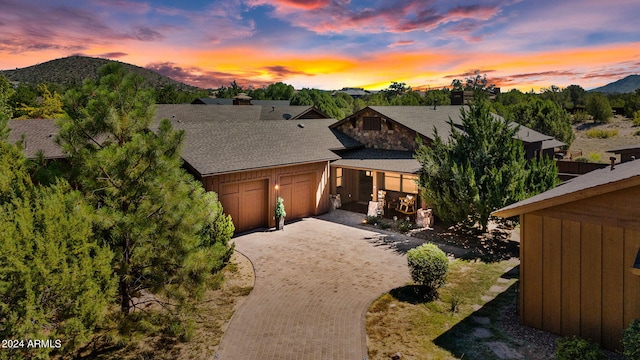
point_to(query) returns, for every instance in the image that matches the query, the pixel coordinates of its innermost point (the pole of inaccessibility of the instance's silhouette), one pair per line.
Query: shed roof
(39, 136)
(594, 183)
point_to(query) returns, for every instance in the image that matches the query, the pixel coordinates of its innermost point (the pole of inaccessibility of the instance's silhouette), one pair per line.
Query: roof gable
(426, 120)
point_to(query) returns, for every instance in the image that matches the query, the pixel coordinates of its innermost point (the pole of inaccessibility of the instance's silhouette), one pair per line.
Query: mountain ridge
(627, 84)
(76, 68)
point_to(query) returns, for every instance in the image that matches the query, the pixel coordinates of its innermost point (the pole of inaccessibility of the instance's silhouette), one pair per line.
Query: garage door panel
(246, 203)
(297, 192)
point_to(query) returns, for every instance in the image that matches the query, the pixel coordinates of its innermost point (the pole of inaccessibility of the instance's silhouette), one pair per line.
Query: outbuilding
(580, 255)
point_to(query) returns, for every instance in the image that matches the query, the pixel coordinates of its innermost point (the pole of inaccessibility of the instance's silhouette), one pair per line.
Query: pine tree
(55, 280)
(474, 171)
(161, 224)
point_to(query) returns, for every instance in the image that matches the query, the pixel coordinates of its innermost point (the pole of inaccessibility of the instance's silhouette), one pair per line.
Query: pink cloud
(213, 79)
(401, 43)
(338, 16)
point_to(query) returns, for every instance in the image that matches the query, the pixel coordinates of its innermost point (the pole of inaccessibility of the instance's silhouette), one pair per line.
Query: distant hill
(75, 69)
(626, 85)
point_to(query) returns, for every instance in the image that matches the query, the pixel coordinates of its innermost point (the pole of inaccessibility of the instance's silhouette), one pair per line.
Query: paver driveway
(314, 282)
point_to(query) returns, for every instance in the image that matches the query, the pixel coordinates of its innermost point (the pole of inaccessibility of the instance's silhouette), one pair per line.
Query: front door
(365, 186)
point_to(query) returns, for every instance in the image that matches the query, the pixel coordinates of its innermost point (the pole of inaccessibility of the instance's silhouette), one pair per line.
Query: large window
(392, 182)
(401, 183)
(410, 184)
(371, 123)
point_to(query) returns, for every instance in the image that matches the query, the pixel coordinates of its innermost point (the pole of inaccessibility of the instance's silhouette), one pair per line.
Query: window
(410, 184)
(371, 123)
(339, 177)
(401, 183)
(392, 181)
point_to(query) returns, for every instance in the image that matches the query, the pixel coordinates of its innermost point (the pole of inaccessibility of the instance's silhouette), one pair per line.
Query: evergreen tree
(55, 280)
(474, 171)
(598, 106)
(336, 108)
(6, 111)
(544, 116)
(168, 234)
(49, 108)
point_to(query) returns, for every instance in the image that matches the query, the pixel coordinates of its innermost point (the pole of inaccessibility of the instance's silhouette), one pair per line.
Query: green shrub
(580, 117)
(572, 348)
(636, 118)
(631, 341)
(601, 133)
(637, 133)
(429, 266)
(594, 157)
(372, 220)
(404, 226)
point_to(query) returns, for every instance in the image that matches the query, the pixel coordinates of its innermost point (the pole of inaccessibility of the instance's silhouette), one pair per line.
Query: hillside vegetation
(75, 69)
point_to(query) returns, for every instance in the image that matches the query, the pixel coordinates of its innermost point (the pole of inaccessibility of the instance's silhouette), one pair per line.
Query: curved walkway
(314, 283)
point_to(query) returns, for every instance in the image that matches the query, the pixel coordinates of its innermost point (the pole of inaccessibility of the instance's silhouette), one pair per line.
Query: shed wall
(575, 275)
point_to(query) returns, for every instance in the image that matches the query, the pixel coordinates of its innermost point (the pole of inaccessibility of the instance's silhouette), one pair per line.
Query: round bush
(631, 341)
(571, 348)
(429, 266)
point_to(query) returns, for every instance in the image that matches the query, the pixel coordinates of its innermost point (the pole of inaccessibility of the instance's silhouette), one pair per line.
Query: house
(38, 137)
(246, 100)
(385, 164)
(580, 254)
(250, 155)
(627, 153)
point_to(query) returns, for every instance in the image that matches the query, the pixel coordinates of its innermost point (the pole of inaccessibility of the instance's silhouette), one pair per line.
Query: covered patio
(372, 175)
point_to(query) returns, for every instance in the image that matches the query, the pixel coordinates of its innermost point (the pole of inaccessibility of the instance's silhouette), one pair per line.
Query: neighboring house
(386, 163)
(628, 153)
(222, 101)
(38, 136)
(355, 93)
(580, 255)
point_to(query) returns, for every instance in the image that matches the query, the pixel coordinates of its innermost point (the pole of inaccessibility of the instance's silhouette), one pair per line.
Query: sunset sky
(330, 44)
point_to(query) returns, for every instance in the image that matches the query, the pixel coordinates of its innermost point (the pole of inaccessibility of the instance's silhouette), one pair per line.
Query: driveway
(314, 283)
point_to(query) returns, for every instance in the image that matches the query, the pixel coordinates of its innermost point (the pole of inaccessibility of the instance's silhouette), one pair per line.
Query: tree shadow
(414, 294)
(462, 341)
(493, 246)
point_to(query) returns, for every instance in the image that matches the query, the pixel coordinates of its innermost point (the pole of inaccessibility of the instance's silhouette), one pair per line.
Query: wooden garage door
(298, 194)
(246, 202)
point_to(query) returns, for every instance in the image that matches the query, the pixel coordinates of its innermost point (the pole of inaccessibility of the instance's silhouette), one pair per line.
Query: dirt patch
(210, 321)
(499, 243)
(584, 146)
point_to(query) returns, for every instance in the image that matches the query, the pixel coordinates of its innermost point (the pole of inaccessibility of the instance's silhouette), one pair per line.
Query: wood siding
(575, 267)
(305, 189)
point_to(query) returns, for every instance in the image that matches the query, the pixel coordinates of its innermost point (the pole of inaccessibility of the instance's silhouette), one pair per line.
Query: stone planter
(279, 223)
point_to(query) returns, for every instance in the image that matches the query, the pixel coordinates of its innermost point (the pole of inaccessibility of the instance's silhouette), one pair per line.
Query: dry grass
(206, 326)
(401, 321)
(627, 135)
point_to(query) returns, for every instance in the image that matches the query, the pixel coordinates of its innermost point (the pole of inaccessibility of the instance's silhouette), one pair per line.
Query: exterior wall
(575, 267)
(391, 136)
(273, 176)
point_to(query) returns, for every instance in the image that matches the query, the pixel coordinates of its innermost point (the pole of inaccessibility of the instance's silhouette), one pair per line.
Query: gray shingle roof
(423, 119)
(596, 181)
(39, 135)
(223, 101)
(630, 147)
(376, 159)
(226, 139)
